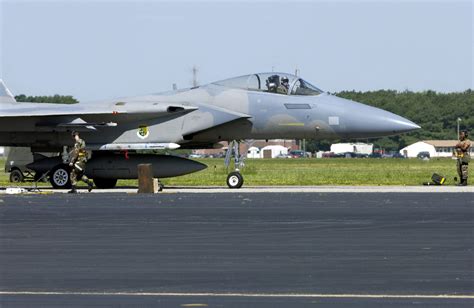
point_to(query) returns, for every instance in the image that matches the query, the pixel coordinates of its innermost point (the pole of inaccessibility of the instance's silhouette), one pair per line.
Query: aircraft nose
(367, 121)
(397, 124)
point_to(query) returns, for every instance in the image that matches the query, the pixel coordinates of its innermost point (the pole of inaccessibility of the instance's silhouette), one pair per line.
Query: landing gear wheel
(105, 183)
(235, 180)
(59, 177)
(16, 176)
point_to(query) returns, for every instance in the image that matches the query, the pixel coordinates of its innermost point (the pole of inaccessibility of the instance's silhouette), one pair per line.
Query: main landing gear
(234, 179)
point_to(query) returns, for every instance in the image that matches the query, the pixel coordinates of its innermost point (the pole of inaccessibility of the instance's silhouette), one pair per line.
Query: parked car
(423, 155)
(398, 155)
(196, 156)
(375, 155)
(283, 156)
(299, 154)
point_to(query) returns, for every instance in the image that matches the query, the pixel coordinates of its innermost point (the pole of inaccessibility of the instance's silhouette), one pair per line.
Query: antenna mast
(195, 71)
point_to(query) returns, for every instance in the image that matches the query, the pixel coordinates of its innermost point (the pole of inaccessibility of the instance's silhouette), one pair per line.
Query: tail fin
(5, 95)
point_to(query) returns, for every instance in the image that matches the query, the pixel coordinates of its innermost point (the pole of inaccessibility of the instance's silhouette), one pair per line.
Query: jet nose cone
(366, 121)
(379, 122)
(401, 125)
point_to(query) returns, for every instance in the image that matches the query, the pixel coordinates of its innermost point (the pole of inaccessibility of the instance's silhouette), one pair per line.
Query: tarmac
(238, 248)
(266, 189)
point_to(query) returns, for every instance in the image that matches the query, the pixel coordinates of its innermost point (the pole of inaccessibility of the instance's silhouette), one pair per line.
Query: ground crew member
(77, 160)
(462, 153)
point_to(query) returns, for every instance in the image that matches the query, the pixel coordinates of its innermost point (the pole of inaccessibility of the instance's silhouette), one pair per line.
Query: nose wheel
(235, 180)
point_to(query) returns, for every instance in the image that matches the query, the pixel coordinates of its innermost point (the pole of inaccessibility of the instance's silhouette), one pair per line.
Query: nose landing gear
(234, 179)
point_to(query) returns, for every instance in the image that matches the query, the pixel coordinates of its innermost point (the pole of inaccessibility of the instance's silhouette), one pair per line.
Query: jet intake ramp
(207, 117)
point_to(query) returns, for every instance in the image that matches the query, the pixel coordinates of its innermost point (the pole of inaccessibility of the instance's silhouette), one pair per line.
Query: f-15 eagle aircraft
(256, 106)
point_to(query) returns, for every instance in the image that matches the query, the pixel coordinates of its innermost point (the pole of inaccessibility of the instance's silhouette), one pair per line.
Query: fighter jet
(255, 106)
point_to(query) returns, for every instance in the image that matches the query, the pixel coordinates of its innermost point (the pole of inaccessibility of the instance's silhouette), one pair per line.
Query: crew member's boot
(462, 183)
(73, 190)
(90, 185)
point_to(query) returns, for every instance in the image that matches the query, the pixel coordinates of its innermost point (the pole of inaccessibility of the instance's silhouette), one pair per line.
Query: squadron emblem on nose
(143, 132)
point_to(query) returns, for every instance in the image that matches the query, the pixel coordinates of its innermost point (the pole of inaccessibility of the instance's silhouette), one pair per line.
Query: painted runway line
(250, 295)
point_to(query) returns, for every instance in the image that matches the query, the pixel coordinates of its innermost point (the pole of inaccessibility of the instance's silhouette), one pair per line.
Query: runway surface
(271, 189)
(237, 250)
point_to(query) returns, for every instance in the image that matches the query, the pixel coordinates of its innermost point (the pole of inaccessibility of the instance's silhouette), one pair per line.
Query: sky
(104, 49)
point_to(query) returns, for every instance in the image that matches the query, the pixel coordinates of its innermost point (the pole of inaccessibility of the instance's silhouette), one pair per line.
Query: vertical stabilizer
(5, 95)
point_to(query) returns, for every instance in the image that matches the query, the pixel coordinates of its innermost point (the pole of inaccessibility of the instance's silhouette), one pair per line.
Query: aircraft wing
(54, 116)
(112, 113)
(84, 115)
(22, 110)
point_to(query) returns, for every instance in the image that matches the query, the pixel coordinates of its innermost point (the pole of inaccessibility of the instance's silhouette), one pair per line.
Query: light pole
(458, 120)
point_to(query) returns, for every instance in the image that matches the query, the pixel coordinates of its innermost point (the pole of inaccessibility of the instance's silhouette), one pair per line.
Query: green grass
(324, 172)
(334, 171)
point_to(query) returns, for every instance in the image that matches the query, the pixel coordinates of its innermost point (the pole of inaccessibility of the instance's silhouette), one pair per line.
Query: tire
(60, 177)
(235, 180)
(105, 183)
(16, 176)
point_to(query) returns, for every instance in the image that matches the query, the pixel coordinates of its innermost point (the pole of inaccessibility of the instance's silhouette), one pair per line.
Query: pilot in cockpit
(284, 85)
(278, 85)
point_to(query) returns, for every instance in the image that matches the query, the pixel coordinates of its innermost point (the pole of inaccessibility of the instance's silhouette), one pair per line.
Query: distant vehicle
(398, 155)
(375, 155)
(16, 164)
(196, 156)
(298, 154)
(339, 155)
(284, 156)
(423, 154)
(350, 155)
(327, 155)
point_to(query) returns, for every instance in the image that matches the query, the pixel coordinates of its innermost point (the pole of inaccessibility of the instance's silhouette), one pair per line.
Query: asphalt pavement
(237, 250)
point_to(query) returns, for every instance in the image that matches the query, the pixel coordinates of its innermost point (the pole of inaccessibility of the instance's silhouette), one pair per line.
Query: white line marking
(295, 295)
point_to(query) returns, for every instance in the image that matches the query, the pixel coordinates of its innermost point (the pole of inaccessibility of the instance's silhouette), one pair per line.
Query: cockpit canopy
(279, 83)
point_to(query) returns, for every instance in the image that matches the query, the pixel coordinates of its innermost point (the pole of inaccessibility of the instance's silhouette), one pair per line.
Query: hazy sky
(103, 49)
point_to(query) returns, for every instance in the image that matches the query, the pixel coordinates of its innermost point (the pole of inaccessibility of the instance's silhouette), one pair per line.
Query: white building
(436, 148)
(360, 148)
(272, 151)
(253, 152)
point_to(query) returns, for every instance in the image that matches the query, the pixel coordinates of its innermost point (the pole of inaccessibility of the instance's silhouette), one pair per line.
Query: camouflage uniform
(282, 89)
(462, 153)
(78, 159)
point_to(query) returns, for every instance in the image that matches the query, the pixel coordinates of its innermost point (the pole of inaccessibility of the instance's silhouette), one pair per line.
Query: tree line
(436, 113)
(54, 99)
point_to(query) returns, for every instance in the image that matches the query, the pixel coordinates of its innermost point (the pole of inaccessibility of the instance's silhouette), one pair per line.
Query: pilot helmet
(284, 79)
